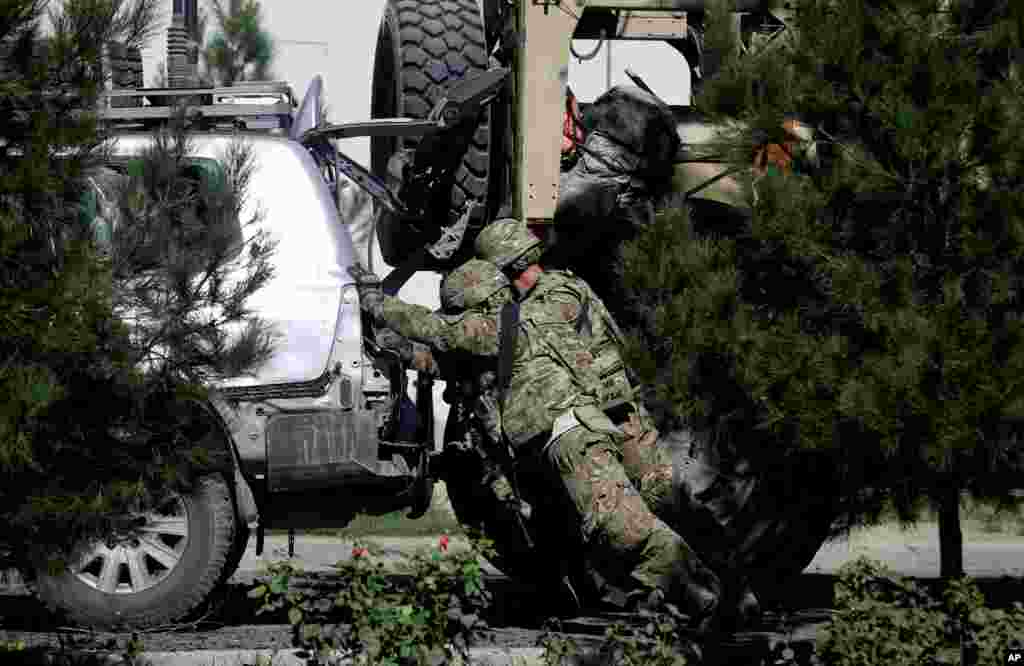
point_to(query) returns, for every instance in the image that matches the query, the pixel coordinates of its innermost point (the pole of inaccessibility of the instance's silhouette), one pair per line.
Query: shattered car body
(313, 434)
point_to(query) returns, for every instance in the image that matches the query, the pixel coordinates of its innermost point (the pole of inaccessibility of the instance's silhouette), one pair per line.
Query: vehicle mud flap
(423, 486)
(423, 491)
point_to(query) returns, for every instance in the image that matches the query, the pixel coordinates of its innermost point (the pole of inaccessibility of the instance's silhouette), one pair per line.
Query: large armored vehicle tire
(424, 46)
(158, 578)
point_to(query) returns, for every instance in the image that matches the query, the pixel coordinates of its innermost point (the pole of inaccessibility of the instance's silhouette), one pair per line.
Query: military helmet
(504, 241)
(471, 284)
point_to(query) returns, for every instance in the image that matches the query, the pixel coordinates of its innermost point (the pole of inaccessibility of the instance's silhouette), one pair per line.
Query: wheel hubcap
(129, 564)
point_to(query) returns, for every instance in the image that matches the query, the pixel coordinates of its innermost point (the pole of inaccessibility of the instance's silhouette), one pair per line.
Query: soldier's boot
(671, 567)
(620, 528)
(671, 482)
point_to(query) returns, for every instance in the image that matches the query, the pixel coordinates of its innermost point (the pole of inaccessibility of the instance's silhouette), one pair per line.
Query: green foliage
(104, 351)
(422, 615)
(241, 49)
(656, 643)
(868, 312)
(883, 619)
(178, 258)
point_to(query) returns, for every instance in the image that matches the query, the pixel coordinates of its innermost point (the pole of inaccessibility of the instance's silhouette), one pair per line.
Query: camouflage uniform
(650, 467)
(510, 246)
(551, 409)
(476, 460)
(583, 448)
(474, 415)
(680, 497)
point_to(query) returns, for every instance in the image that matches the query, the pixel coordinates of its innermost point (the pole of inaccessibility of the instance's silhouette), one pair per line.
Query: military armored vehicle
(512, 164)
(319, 434)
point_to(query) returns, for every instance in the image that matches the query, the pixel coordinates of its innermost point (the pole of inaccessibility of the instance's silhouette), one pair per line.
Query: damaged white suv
(314, 433)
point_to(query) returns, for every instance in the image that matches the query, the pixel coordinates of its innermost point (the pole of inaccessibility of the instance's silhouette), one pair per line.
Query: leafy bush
(886, 619)
(657, 643)
(423, 615)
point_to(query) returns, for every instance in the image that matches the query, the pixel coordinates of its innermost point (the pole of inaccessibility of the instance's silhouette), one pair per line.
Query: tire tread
(439, 40)
(219, 496)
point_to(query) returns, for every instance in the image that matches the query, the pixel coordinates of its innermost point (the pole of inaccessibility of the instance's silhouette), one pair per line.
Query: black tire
(422, 47)
(210, 529)
(237, 552)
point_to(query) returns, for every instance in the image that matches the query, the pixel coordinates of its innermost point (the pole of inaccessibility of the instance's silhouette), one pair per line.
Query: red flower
(444, 542)
(360, 552)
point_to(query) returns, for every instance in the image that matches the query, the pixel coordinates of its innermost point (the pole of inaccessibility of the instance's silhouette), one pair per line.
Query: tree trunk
(951, 538)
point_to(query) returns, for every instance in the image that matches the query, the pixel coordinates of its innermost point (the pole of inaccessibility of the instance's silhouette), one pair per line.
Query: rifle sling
(507, 348)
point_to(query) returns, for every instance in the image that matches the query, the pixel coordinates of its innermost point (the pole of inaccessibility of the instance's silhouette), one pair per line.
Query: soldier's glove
(371, 293)
(389, 339)
(423, 359)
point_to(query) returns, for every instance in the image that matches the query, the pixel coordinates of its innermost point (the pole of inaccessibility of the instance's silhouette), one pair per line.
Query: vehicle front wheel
(159, 575)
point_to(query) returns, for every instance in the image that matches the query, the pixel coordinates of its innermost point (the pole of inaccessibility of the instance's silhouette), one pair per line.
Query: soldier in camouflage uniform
(550, 417)
(475, 459)
(473, 421)
(672, 495)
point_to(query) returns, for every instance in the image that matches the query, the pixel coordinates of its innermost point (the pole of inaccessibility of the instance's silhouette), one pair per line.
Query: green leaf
(257, 592)
(278, 584)
(41, 392)
(135, 168)
(294, 616)
(904, 119)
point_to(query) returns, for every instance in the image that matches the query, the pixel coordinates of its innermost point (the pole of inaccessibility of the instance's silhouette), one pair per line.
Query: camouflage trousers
(624, 540)
(694, 498)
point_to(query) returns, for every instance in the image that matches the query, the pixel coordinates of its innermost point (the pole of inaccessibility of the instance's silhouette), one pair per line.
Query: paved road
(513, 641)
(921, 560)
(918, 559)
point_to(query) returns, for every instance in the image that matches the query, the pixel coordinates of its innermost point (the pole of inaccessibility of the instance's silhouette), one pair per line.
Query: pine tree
(106, 339)
(868, 315)
(241, 49)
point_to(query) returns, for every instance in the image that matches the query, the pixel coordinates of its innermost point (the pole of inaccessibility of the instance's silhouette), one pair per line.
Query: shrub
(425, 614)
(886, 619)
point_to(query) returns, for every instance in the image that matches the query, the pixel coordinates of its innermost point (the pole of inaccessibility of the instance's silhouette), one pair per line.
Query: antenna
(182, 49)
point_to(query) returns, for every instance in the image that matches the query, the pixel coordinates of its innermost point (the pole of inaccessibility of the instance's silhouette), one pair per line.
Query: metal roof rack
(256, 106)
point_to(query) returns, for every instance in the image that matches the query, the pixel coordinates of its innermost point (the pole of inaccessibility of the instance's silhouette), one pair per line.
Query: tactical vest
(596, 324)
(552, 367)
